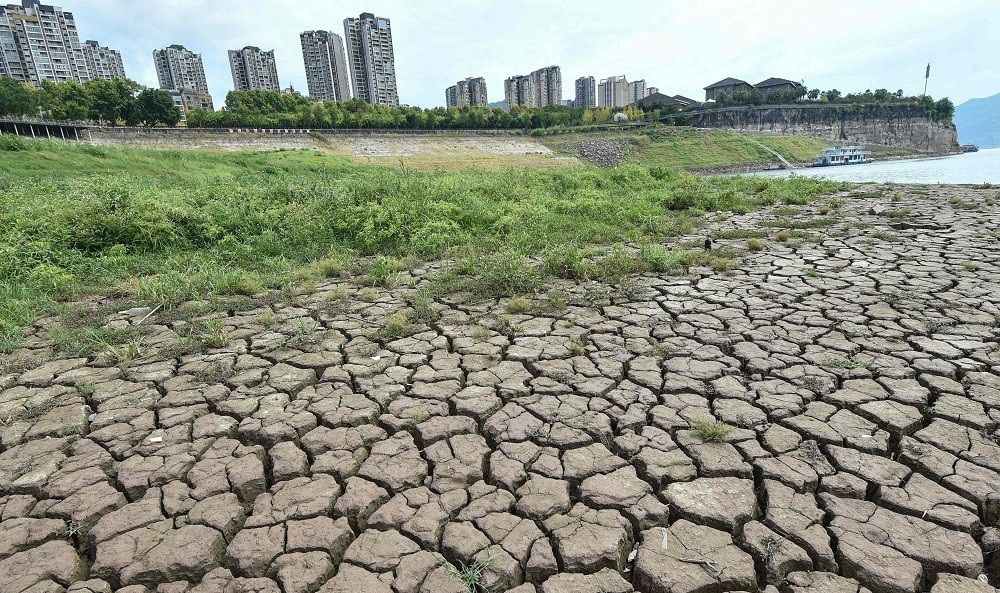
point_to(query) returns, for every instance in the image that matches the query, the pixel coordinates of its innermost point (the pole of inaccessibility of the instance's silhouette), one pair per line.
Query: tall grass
(169, 226)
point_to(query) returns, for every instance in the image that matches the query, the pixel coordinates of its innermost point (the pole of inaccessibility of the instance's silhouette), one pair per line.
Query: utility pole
(927, 76)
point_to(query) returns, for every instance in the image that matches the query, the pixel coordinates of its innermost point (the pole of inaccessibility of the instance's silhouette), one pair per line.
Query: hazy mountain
(978, 122)
(501, 104)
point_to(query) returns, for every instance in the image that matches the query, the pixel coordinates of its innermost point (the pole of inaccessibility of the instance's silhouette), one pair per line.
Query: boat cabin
(842, 155)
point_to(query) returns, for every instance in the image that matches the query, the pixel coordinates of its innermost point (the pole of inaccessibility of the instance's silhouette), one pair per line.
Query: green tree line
(111, 102)
(942, 109)
(267, 109)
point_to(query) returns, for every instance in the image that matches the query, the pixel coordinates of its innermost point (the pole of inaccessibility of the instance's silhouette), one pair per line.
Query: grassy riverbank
(163, 227)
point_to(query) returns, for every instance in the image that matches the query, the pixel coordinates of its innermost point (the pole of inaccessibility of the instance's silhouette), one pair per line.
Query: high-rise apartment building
(372, 63)
(586, 93)
(548, 86)
(612, 92)
(327, 75)
(40, 42)
(636, 90)
(541, 88)
(181, 70)
(518, 90)
(471, 91)
(254, 69)
(103, 62)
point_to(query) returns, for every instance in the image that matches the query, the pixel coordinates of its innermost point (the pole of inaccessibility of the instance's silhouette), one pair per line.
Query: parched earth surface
(562, 449)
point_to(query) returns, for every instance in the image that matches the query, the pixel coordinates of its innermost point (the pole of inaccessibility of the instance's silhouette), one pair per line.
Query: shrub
(12, 143)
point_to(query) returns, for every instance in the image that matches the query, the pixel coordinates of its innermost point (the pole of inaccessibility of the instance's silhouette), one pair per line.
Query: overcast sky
(679, 47)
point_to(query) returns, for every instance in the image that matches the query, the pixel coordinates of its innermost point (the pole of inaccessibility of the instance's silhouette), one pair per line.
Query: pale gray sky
(679, 47)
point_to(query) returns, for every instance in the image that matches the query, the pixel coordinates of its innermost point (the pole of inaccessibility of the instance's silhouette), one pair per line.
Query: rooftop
(776, 82)
(727, 82)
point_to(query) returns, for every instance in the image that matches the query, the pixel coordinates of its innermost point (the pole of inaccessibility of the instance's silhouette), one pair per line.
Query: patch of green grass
(755, 245)
(470, 575)
(840, 362)
(167, 227)
(567, 261)
(518, 305)
(199, 336)
(91, 341)
(368, 295)
(423, 308)
(898, 213)
(396, 325)
(711, 430)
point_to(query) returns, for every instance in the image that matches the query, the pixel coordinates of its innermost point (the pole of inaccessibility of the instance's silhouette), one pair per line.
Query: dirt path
(571, 447)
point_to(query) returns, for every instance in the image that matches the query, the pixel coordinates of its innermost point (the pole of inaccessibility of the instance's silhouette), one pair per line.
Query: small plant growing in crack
(518, 305)
(23, 469)
(838, 362)
(480, 332)
(215, 374)
(368, 295)
(711, 430)
(306, 331)
(809, 450)
(86, 388)
(814, 384)
(556, 302)
(664, 352)
(991, 434)
(471, 575)
(134, 347)
(772, 546)
(72, 528)
(397, 325)
(423, 308)
(577, 346)
(506, 327)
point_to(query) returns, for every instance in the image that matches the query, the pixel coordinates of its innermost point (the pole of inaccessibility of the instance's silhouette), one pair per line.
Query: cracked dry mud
(553, 450)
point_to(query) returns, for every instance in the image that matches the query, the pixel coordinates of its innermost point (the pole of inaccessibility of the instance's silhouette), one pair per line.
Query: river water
(973, 167)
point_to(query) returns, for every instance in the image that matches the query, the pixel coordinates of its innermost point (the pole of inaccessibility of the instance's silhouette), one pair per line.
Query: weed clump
(711, 430)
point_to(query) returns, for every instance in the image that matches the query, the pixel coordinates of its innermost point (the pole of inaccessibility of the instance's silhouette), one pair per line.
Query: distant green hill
(978, 122)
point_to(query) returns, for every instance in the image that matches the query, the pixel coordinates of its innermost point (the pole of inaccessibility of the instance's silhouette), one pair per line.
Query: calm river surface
(973, 167)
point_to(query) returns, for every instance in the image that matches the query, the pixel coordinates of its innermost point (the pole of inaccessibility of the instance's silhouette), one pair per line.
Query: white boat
(842, 155)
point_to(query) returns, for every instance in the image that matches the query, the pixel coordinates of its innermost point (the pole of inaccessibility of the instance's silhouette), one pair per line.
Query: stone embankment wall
(259, 139)
(220, 139)
(878, 125)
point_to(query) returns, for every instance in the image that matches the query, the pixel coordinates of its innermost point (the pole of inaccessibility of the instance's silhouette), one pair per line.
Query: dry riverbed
(823, 418)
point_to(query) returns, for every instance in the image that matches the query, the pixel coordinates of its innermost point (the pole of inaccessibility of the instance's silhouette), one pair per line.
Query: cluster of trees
(267, 109)
(941, 109)
(110, 102)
